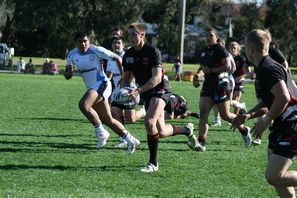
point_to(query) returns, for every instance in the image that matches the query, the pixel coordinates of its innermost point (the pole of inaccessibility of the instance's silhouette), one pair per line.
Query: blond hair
(258, 40)
(234, 43)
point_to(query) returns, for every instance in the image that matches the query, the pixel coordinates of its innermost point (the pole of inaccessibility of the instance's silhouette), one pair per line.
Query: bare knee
(131, 119)
(149, 123)
(224, 116)
(83, 106)
(272, 178)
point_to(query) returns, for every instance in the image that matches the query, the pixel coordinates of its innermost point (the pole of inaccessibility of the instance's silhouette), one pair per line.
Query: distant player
(215, 63)
(177, 108)
(94, 103)
(238, 74)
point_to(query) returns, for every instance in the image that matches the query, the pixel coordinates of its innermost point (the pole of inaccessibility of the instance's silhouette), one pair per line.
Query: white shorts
(103, 88)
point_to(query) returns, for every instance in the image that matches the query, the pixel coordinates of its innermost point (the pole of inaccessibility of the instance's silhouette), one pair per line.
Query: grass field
(48, 149)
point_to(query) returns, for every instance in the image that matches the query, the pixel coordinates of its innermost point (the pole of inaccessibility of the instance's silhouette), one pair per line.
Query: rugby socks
(99, 128)
(128, 138)
(202, 140)
(152, 141)
(180, 130)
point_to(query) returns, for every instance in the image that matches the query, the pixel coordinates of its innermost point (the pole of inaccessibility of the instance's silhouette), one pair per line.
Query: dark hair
(117, 38)
(118, 29)
(80, 34)
(213, 30)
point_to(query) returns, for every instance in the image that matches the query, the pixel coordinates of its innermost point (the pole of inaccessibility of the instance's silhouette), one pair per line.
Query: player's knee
(149, 123)
(131, 119)
(272, 178)
(82, 106)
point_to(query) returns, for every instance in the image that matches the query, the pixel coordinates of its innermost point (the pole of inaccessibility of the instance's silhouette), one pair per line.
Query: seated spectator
(54, 68)
(21, 65)
(29, 68)
(46, 67)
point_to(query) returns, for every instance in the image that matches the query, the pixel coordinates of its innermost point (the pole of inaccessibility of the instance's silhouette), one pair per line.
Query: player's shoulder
(73, 52)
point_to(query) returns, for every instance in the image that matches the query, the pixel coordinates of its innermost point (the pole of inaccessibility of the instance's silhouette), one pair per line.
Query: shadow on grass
(39, 135)
(71, 168)
(56, 119)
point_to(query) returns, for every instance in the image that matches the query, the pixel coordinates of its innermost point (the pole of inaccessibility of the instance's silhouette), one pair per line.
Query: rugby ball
(122, 96)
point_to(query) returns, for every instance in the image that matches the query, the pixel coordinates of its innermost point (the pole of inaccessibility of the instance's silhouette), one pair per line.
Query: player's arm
(257, 111)
(118, 59)
(225, 67)
(150, 84)
(280, 102)
(198, 76)
(127, 78)
(153, 81)
(68, 73)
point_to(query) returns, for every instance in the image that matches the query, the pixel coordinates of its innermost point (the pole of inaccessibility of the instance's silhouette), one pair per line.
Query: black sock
(152, 142)
(180, 130)
(202, 140)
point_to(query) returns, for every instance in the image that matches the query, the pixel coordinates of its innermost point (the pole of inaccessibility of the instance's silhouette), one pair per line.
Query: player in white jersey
(94, 103)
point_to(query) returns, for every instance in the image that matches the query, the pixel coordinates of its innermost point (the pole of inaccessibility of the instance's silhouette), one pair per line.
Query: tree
(280, 20)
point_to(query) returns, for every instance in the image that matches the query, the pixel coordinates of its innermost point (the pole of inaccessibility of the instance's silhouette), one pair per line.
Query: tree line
(46, 28)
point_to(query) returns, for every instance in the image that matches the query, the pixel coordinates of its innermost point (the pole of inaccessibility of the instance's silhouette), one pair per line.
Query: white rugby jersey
(89, 63)
(112, 66)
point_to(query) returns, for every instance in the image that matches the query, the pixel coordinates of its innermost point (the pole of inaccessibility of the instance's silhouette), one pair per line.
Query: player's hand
(196, 81)
(260, 126)
(134, 93)
(68, 71)
(239, 120)
(252, 75)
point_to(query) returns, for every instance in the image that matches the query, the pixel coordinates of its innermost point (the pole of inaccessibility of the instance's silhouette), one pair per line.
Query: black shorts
(283, 140)
(239, 86)
(218, 92)
(124, 107)
(164, 96)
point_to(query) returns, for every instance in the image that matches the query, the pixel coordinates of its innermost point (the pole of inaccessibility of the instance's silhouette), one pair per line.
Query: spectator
(177, 68)
(21, 65)
(54, 68)
(46, 67)
(30, 68)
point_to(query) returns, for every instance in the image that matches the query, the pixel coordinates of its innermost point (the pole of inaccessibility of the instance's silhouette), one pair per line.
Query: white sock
(143, 111)
(129, 138)
(99, 128)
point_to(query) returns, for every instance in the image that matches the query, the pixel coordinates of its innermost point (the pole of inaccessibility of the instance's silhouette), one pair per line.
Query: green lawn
(47, 149)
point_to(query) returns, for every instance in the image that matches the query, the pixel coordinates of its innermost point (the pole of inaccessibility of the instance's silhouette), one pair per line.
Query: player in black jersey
(279, 101)
(143, 62)
(275, 53)
(216, 88)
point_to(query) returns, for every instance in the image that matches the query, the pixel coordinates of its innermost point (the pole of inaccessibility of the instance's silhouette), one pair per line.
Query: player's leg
(155, 109)
(278, 175)
(217, 118)
(86, 104)
(117, 113)
(224, 109)
(205, 106)
(103, 110)
(236, 96)
(132, 115)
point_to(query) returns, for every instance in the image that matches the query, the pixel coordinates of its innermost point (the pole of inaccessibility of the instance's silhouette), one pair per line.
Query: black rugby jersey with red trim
(268, 73)
(239, 62)
(212, 57)
(141, 64)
